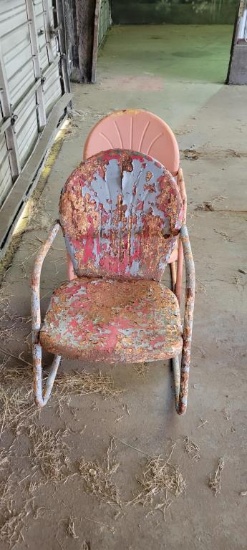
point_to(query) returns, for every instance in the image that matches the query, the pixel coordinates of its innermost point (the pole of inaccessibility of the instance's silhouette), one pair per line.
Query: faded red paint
(104, 237)
(120, 214)
(111, 320)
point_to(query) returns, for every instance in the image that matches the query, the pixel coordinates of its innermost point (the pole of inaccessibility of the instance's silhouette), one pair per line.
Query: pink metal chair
(120, 214)
(143, 131)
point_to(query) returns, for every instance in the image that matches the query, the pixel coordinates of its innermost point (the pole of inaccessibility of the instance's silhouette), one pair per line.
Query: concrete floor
(212, 119)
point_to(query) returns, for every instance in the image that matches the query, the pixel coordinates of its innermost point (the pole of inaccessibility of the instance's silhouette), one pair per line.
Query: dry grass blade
(81, 383)
(16, 398)
(15, 376)
(98, 477)
(12, 522)
(192, 449)
(141, 368)
(160, 478)
(98, 481)
(7, 319)
(71, 528)
(48, 453)
(214, 481)
(4, 459)
(6, 490)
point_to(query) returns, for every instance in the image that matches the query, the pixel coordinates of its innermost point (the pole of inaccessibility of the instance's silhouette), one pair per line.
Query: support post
(84, 14)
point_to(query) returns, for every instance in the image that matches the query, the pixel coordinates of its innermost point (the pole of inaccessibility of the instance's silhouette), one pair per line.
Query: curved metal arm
(35, 281)
(36, 324)
(182, 189)
(181, 405)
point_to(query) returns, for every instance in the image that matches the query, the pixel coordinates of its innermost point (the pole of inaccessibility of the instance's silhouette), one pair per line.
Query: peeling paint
(113, 320)
(120, 213)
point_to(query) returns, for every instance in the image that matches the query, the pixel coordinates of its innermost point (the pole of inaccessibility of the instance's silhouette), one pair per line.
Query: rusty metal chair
(120, 214)
(143, 131)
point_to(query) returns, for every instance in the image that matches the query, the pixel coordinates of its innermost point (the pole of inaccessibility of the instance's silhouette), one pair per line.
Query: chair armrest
(188, 317)
(182, 189)
(189, 265)
(35, 281)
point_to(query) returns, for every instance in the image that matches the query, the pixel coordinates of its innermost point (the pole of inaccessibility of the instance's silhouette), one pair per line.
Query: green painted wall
(187, 12)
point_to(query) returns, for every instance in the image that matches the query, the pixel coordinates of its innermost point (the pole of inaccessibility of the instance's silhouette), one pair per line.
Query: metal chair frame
(180, 367)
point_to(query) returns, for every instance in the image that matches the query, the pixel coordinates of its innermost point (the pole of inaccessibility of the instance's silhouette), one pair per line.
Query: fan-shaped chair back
(120, 213)
(138, 130)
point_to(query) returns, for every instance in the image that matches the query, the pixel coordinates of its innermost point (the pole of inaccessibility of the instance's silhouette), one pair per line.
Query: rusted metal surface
(120, 213)
(176, 368)
(36, 325)
(113, 321)
(181, 405)
(178, 278)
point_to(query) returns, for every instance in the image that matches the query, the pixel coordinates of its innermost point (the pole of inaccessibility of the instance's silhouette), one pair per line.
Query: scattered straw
(71, 528)
(214, 481)
(6, 490)
(159, 479)
(7, 319)
(48, 453)
(141, 368)
(12, 522)
(98, 477)
(84, 383)
(192, 449)
(4, 459)
(16, 398)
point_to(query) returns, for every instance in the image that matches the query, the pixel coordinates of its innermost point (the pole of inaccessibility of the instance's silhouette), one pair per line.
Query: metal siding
(26, 128)
(5, 174)
(104, 21)
(52, 88)
(12, 15)
(16, 50)
(40, 24)
(22, 87)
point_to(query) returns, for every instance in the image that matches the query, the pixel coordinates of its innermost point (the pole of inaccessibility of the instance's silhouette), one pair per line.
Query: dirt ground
(71, 477)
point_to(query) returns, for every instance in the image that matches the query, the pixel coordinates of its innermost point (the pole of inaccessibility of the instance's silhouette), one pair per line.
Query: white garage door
(32, 79)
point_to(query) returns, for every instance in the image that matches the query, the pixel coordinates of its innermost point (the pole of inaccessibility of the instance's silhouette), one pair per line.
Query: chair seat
(113, 321)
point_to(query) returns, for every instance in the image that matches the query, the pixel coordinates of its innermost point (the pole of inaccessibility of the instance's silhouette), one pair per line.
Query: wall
(86, 24)
(33, 79)
(191, 12)
(104, 21)
(237, 72)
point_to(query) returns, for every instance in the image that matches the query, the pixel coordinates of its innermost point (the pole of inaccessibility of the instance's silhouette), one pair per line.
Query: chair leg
(181, 384)
(188, 321)
(38, 376)
(179, 278)
(173, 268)
(176, 378)
(70, 269)
(183, 396)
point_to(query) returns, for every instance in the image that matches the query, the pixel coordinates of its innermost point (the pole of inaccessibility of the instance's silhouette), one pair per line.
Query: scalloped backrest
(137, 130)
(120, 212)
